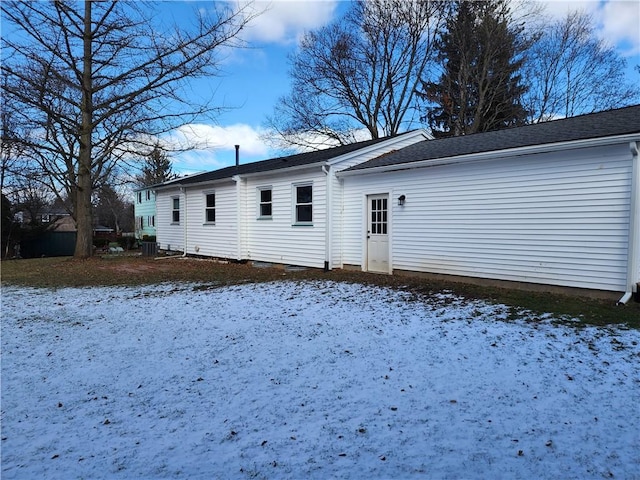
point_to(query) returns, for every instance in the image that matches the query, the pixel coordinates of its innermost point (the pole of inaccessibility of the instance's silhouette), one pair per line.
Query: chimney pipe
(237, 155)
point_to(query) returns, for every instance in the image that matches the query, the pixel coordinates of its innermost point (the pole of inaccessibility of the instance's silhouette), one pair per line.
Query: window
(148, 194)
(210, 208)
(265, 200)
(175, 212)
(139, 197)
(151, 220)
(140, 222)
(303, 206)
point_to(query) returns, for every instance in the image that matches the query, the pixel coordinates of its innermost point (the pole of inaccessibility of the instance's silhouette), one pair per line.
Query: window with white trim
(151, 220)
(175, 210)
(210, 208)
(303, 210)
(265, 202)
(139, 197)
(148, 194)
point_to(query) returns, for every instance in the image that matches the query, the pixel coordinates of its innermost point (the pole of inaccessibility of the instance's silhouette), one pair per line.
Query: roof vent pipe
(237, 155)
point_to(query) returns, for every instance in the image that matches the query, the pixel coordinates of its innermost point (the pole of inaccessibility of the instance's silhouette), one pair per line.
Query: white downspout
(184, 229)
(328, 228)
(240, 227)
(633, 251)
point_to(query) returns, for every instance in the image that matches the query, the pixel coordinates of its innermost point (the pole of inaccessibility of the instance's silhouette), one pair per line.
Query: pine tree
(157, 168)
(480, 88)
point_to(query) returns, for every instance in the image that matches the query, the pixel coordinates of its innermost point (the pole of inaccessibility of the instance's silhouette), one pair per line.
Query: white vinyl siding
(338, 228)
(558, 219)
(169, 235)
(279, 241)
(209, 238)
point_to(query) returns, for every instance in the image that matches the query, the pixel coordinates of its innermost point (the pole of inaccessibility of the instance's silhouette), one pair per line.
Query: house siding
(170, 235)
(278, 239)
(338, 219)
(558, 219)
(144, 209)
(217, 239)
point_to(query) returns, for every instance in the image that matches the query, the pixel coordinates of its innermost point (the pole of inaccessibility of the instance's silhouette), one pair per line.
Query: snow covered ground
(308, 380)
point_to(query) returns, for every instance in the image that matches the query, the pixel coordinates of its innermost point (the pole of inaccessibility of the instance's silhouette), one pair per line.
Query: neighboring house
(145, 212)
(284, 210)
(555, 203)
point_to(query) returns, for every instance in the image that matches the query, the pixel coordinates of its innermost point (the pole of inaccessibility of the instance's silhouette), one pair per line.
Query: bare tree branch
(96, 81)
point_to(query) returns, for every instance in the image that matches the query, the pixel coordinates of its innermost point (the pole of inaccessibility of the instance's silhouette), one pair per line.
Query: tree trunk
(84, 240)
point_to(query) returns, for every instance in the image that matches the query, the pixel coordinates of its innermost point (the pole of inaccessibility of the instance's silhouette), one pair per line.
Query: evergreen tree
(157, 168)
(480, 88)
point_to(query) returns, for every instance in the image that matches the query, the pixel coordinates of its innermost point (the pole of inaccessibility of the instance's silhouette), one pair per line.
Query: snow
(308, 380)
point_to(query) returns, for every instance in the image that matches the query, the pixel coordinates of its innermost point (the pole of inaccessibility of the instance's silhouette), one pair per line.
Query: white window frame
(295, 204)
(261, 203)
(205, 195)
(174, 210)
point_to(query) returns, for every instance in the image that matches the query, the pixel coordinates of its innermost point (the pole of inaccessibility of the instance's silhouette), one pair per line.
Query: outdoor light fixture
(401, 200)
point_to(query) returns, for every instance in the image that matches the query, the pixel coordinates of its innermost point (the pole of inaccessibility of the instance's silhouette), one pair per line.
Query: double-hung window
(265, 201)
(303, 195)
(210, 208)
(175, 210)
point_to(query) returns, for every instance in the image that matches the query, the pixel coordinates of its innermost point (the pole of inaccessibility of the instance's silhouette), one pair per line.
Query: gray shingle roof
(300, 159)
(595, 125)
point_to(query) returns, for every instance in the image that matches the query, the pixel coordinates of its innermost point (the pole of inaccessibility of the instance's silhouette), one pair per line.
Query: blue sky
(256, 76)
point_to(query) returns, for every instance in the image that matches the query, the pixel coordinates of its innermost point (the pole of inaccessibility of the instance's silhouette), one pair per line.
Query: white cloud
(621, 25)
(617, 21)
(283, 21)
(213, 146)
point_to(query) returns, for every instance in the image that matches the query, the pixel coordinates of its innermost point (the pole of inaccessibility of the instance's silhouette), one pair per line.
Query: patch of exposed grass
(135, 270)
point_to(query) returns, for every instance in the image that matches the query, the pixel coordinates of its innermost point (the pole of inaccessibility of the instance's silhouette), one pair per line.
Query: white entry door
(377, 233)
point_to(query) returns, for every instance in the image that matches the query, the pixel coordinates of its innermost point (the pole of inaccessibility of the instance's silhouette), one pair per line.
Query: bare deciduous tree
(358, 73)
(95, 80)
(571, 71)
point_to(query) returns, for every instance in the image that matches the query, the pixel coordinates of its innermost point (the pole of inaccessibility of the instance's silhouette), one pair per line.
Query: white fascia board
(200, 184)
(419, 135)
(495, 154)
(176, 182)
(285, 170)
(234, 178)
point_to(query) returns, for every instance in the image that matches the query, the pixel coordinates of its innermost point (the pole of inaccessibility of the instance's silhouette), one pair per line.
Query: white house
(555, 203)
(145, 212)
(285, 210)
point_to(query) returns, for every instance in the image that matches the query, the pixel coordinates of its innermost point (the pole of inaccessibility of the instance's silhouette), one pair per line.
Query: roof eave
(230, 178)
(494, 154)
(376, 146)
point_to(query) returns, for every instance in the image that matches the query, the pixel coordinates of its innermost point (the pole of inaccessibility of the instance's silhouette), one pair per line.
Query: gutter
(633, 250)
(240, 208)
